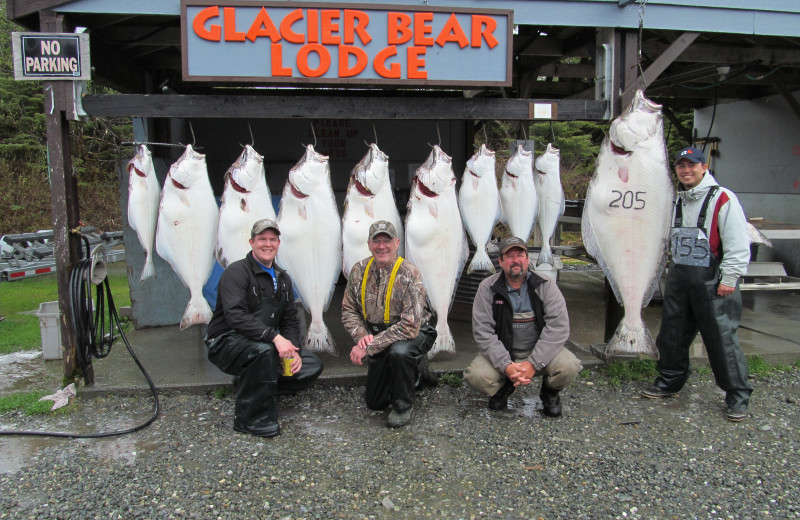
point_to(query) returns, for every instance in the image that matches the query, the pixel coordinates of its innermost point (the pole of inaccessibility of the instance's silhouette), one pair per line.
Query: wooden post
(67, 248)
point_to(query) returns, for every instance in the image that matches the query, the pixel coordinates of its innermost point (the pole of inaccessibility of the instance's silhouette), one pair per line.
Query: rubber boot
(499, 401)
(551, 401)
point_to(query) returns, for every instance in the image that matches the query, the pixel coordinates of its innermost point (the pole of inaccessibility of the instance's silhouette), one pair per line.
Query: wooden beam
(20, 8)
(334, 107)
(67, 248)
(728, 54)
(663, 61)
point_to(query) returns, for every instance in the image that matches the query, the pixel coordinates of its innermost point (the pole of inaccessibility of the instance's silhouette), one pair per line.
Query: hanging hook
(375, 132)
(640, 71)
(552, 133)
(439, 134)
(485, 136)
(252, 139)
(314, 134)
(191, 129)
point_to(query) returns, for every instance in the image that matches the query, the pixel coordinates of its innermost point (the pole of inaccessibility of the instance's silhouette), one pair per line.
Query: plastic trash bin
(49, 323)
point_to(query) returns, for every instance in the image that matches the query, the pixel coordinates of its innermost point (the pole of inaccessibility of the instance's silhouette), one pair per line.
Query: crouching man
(520, 323)
(254, 328)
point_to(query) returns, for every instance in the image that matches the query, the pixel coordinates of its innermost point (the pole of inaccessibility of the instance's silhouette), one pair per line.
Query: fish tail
(149, 269)
(545, 255)
(319, 339)
(480, 262)
(197, 312)
(632, 341)
(444, 342)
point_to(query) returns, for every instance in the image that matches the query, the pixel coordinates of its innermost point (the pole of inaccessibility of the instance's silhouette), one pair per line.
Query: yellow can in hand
(287, 366)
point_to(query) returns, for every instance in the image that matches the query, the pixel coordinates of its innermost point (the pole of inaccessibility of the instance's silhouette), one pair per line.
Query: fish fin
(149, 269)
(369, 209)
(475, 183)
(622, 172)
(244, 206)
(197, 312)
(545, 255)
(184, 199)
(434, 210)
(627, 341)
(319, 339)
(301, 211)
(444, 341)
(481, 262)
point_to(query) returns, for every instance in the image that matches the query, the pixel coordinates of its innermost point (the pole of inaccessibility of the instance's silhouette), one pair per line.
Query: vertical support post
(67, 247)
(630, 68)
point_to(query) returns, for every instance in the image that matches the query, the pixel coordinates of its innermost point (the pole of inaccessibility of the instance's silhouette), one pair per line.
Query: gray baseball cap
(511, 243)
(382, 227)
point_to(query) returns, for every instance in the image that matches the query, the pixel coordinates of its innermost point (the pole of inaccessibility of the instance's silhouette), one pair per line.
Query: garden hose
(91, 337)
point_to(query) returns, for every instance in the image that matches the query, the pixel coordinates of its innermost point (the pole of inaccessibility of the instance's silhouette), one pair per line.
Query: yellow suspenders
(388, 289)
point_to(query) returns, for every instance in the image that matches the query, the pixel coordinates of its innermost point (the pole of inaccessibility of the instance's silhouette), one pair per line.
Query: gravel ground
(612, 455)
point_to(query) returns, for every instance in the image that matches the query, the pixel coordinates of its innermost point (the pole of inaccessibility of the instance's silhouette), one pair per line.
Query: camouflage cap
(263, 225)
(512, 242)
(382, 227)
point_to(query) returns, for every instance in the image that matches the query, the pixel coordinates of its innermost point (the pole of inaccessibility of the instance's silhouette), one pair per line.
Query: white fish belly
(437, 246)
(143, 198)
(625, 227)
(356, 223)
(311, 250)
(520, 205)
(236, 220)
(479, 204)
(186, 236)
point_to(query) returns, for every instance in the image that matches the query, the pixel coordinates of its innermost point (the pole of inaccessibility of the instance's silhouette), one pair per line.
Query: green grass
(451, 379)
(221, 392)
(757, 367)
(29, 403)
(21, 331)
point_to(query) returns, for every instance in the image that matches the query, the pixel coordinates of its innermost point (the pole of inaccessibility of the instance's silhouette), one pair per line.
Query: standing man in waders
(254, 328)
(384, 311)
(710, 250)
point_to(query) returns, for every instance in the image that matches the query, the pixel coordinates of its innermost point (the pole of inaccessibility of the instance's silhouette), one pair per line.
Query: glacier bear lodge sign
(289, 42)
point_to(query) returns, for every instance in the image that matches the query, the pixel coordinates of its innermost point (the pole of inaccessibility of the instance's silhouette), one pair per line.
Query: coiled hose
(92, 339)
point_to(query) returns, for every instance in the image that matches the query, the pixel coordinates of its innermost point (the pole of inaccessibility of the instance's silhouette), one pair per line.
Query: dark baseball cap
(512, 242)
(263, 225)
(382, 227)
(692, 154)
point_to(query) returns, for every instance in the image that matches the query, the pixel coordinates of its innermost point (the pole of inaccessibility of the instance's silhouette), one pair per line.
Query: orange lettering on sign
(416, 65)
(355, 22)
(263, 26)
(452, 32)
(422, 27)
(345, 70)
(231, 35)
(482, 28)
(278, 70)
(302, 60)
(312, 26)
(286, 27)
(329, 28)
(399, 29)
(393, 72)
(214, 31)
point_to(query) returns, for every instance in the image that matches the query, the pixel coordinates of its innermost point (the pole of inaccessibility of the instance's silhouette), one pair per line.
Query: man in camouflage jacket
(394, 343)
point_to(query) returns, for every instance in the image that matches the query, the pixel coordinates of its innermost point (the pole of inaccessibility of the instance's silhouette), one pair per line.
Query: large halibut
(479, 203)
(626, 217)
(144, 193)
(311, 241)
(435, 239)
(245, 200)
(369, 199)
(547, 178)
(518, 194)
(187, 230)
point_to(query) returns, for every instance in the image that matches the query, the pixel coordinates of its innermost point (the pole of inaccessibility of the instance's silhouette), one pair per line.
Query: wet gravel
(612, 455)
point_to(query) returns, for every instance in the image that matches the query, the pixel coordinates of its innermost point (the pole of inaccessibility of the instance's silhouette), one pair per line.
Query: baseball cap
(382, 227)
(693, 154)
(512, 242)
(262, 225)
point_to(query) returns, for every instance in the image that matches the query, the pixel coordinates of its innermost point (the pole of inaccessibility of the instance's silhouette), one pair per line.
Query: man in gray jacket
(520, 323)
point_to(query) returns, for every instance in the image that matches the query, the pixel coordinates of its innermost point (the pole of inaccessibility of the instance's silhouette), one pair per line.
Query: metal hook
(375, 132)
(313, 133)
(191, 129)
(252, 139)
(439, 134)
(552, 132)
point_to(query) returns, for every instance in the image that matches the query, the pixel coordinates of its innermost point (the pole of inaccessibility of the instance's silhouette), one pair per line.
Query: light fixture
(723, 71)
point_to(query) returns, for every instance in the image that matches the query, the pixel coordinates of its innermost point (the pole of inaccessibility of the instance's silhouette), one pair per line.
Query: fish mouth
(362, 189)
(297, 193)
(511, 174)
(537, 170)
(617, 149)
(425, 190)
(236, 186)
(473, 173)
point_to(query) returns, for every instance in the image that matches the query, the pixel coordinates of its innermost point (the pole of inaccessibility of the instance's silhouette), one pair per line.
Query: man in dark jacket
(254, 327)
(520, 324)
